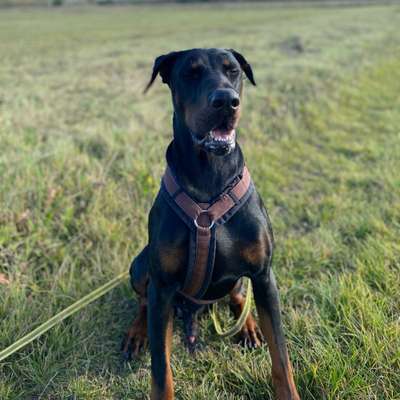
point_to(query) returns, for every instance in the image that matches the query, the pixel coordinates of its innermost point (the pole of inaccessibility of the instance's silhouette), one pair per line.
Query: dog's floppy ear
(244, 65)
(163, 66)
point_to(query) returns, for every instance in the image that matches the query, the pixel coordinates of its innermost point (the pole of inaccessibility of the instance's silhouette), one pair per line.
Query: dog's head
(206, 86)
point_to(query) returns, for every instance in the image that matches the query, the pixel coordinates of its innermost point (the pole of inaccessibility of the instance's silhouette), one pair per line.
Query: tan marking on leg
(168, 392)
(282, 374)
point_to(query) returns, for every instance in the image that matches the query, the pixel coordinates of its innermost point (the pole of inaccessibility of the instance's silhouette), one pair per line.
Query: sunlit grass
(82, 152)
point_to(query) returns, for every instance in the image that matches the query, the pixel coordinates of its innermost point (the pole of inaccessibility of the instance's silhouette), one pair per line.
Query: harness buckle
(198, 224)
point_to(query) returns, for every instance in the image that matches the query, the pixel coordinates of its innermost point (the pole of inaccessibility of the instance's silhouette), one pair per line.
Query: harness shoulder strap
(202, 219)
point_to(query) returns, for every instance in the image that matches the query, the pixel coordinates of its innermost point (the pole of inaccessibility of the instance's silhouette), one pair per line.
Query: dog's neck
(203, 175)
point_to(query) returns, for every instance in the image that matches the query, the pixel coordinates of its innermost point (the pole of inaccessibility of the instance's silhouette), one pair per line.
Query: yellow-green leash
(102, 290)
(72, 309)
(237, 326)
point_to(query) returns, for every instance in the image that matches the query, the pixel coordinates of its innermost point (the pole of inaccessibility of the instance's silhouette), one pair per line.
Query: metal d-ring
(203, 227)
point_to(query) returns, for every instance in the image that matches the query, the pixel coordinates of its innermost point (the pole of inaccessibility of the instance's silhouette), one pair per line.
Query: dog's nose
(225, 99)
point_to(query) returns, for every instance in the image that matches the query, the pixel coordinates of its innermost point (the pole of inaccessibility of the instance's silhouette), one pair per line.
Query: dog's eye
(233, 71)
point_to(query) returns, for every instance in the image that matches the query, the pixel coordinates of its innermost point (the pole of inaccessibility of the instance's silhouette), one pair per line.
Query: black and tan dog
(206, 161)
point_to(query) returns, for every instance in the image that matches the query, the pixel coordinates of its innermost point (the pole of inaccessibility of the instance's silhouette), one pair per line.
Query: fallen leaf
(4, 280)
(51, 195)
(22, 221)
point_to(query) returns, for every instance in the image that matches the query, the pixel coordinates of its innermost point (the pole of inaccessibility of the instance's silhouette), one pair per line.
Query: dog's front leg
(267, 301)
(160, 319)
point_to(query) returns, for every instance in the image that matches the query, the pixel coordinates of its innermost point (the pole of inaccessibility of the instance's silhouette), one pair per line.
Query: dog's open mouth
(223, 135)
(220, 140)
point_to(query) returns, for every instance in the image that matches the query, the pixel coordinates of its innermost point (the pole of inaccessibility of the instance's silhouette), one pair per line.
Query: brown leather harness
(202, 219)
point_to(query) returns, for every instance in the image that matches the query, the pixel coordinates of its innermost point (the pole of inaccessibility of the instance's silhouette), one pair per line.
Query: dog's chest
(243, 246)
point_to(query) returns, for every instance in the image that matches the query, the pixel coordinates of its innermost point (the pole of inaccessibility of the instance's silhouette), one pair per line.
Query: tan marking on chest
(172, 258)
(255, 253)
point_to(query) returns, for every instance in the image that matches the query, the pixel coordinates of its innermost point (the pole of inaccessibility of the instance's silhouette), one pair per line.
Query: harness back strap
(202, 219)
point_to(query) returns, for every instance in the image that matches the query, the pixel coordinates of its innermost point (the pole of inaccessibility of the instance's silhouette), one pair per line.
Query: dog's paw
(193, 344)
(134, 342)
(250, 335)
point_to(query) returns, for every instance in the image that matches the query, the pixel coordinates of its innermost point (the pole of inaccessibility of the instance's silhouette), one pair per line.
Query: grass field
(82, 152)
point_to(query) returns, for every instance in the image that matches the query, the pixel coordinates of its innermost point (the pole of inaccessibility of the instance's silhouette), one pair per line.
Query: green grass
(82, 152)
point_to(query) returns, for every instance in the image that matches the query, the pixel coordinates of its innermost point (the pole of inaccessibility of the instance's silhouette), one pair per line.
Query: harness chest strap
(202, 219)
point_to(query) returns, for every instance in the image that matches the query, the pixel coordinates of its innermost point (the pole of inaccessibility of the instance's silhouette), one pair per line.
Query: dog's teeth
(222, 138)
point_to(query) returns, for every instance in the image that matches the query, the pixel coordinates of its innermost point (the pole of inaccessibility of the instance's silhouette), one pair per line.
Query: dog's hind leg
(250, 335)
(267, 302)
(136, 337)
